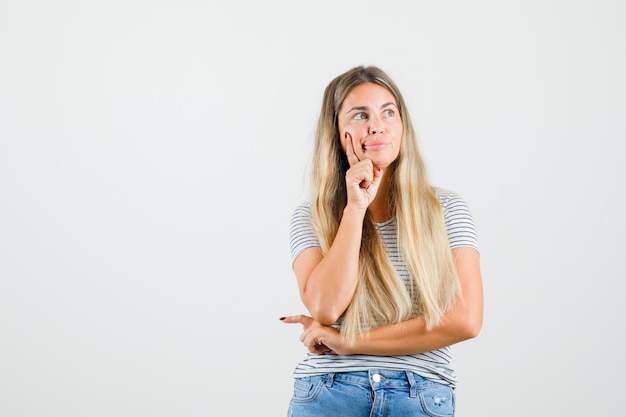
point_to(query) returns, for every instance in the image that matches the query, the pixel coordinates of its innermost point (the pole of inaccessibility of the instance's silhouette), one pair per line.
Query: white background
(151, 153)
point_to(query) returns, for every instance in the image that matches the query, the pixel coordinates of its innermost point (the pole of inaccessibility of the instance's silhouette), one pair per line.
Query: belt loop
(329, 379)
(410, 376)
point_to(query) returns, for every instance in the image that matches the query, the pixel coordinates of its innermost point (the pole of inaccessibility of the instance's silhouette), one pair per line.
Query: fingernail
(282, 318)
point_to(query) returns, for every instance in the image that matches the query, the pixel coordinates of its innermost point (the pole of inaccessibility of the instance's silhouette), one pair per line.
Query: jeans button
(376, 378)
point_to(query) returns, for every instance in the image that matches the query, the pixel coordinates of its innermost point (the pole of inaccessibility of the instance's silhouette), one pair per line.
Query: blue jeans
(375, 393)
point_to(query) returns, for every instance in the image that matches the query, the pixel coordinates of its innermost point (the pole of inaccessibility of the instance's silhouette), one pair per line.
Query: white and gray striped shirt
(434, 365)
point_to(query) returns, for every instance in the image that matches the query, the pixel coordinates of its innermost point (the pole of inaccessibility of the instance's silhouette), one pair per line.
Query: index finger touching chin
(350, 153)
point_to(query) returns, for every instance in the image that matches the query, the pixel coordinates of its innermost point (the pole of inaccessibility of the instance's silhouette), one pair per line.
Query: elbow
(322, 312)
(465, 324)
(324, 316)
(471, 326)
(325, 321)
(471, 331)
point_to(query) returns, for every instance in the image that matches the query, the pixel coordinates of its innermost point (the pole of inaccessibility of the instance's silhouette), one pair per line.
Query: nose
(376, 126)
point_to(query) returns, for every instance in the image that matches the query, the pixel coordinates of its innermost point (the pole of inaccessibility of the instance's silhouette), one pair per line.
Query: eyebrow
(390, 103)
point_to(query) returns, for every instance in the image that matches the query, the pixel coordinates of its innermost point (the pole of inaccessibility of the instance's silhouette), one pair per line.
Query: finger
(299, 319)
(367, 174)
(350, 153)
(314, 344)
(378, 175)
(310, 341)
(308, 337)
(319, 349)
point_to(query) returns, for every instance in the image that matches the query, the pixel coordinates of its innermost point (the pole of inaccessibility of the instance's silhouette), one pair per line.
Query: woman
(387, 265)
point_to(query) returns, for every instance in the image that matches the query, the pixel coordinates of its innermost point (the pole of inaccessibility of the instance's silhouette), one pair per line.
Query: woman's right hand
(362, 178)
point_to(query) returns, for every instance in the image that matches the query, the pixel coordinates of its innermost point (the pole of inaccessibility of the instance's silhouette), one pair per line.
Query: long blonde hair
(381, 298)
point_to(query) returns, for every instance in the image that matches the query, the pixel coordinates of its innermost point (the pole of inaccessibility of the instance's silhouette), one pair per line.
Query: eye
(360, 116)
(389, 113)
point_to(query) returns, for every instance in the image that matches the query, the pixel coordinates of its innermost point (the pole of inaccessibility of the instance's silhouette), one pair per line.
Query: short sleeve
(458, 220)
(301, 233)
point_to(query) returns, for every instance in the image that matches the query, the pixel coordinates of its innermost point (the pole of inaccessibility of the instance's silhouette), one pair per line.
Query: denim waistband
(382, 379)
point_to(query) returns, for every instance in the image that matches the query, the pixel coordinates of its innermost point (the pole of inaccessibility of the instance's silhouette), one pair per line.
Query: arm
(327, 283)
(461, 323)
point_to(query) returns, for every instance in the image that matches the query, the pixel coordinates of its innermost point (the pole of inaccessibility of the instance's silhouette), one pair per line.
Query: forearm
(406, 338)
(331, 283)
(461, 322)
(411, 337)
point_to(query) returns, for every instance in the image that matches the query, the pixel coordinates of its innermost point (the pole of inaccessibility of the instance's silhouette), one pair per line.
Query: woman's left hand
(317, 338)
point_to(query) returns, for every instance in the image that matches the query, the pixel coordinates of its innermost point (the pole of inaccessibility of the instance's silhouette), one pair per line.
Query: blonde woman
(387, 264)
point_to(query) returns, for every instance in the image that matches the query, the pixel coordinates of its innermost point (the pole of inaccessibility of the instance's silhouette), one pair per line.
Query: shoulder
(301, 216)
(305, 205)
(302, 210)
(450, 201)
(446, 196)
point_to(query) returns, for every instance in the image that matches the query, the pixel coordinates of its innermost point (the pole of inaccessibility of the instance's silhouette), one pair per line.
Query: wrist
(353, 212)
(353, 345)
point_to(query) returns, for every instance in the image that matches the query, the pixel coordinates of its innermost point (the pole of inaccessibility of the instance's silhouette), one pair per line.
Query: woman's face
(369, 115)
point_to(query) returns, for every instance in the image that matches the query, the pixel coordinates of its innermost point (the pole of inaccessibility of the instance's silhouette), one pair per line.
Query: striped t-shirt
(434, 365)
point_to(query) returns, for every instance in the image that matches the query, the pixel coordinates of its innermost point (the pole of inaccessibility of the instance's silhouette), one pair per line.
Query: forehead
(370, 95)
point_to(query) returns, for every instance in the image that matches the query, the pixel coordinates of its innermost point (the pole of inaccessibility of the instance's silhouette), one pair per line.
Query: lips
(374, 146)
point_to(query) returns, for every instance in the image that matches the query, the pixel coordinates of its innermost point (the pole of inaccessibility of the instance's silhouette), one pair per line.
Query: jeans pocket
(307, 389)
(437, 400)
